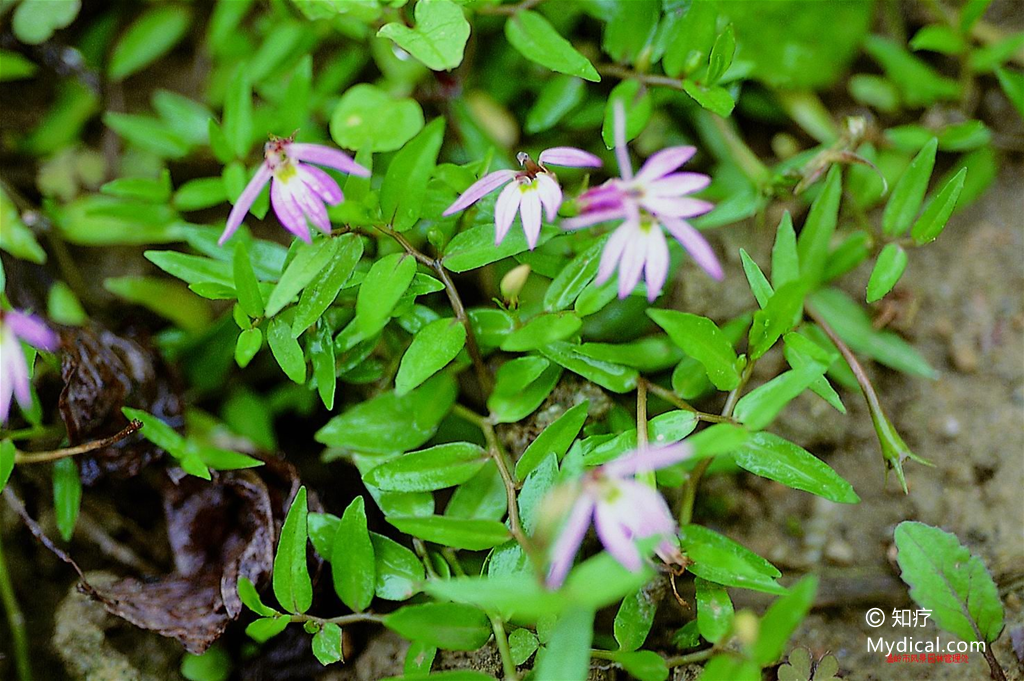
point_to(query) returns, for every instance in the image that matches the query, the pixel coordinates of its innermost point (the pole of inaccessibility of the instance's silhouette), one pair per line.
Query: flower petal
(10, 352)
(619, 128)
(550, 195)
(570, 157)
(325, 156)
(529, 210)
(479, 189)
(631, 266)
(650, 459)
(675, 207)
(589, 219)
(696, 245)
(15, 365)
(616, 538)
(505, 210)
(612, 253)
(568, 542)
(664, 162)
(32, 330)
(288, 210)
(321, 183)
(678, 184)
(656, 267)
(312, 206)
(245, 201)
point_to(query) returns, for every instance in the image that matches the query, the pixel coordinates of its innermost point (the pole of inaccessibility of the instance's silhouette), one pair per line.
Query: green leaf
(166, 297)
(192, 269)
(636, 103)
(629, 29)
(203, 192)
(541, 331)
(449, 626)
(522, 643)
(947, 579)
(352, 560)
(759, 285)
(559, 96)
(938, 38)
(67, 496)
(433, 346)
(320, 294)
(918, 84)
(439, 37)
(761, 405)
(309, 261)
(13, 66)
(399, 572)
(520, 387)
(246, 285)
(702, 340)
(785, 261)
(537, 40)
(816, 236)
(714, 610)
(800, 351)
(775, 458)
(634, 619)
(148, 133)
(461, 533)
(438, 467)
(150, 37)
(573, 278)
(266, 628)
(781, 620)
(482, 496)
(248, 344)
(292, 586)
(238, 121)
(644, 665)
(938, 210)
(213, 665)
(608, 375)
(148, 189)
(251, 599)
(720, 560)
(690, 40)
(555, 439)
(367, 117)
(909, 192)
(7, 454)
(854, 326)
(380, 291)
(286, 351)
(567, 655)
(889, 267)
(15, 237)
(405, 184)
(34, 21)
(475, 247)
(721, 56)
(715, 99)
(392, 423)
(327, 644)
(1012, 83)
(781, 312)
(165, 437)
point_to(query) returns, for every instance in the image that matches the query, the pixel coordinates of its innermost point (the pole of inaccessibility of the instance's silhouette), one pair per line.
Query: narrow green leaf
(761, 405)
(7, 454)
(238, 123)
(292, 586)
(320, 293)
(816, 237)
(785, 261)
(889, 267)
(67, 496)
(782, 311)
(266, 628)
(636, 104)
(608, 375)
(537, 40)
(430, 469)
(251, 599)
(714, 610)
(938, 210)
(557, 98)
(542, 331)
(246, 285)
(555, 439)
(321, 354)
(721, 560)
(634, 619)
(461, 533)
(165, 297)
(405, 184)
(433, 346)
(573, 278)
(248, 344)
(286, 351)
(520, 387)
(759, 285)
(702, 340)
(149, 37)
(449, 626)
(945, 578)
(352, 560)
(781, 620)
(384, 284)
(309, 261)
(775, 458)
(567, 655)
(721, 55)
(909, 192)
(1012, 83)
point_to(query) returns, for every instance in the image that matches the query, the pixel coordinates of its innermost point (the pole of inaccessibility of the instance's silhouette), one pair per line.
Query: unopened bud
(513, 282)
(746, 627)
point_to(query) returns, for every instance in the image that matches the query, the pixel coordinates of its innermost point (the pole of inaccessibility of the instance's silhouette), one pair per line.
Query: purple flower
(527, 192)
(654, 197)
(14, 328)
(298, 190)
(623, 511)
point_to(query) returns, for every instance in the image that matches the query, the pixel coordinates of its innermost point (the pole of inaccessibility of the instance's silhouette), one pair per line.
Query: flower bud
(513, 282)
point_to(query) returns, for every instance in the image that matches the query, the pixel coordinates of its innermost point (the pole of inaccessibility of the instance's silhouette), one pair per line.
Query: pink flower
(298, 190)
(654, 197)
(623, 511)
(528, 190)
(14, 328)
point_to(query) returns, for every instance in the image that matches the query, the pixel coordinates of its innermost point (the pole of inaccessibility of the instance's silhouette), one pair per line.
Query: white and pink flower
(526, 192)
(622, 510)
(298, 190)
(16, 327)
(655, 197)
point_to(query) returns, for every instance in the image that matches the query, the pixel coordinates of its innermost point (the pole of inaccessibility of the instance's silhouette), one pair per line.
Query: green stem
(689, 658)
(501, 639)
(16, 621)
(745, 158)
(646, 477)
(675, 400)
(342, 621)
(54, 454)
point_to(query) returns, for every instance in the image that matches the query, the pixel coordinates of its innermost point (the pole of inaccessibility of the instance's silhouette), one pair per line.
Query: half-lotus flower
(298, 190)
(622, 509)
(653, 198)
(527, 191)
(14, 382)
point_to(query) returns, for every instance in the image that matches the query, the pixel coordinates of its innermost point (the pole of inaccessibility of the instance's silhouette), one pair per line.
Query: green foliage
(438, 38)
(292, 586)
